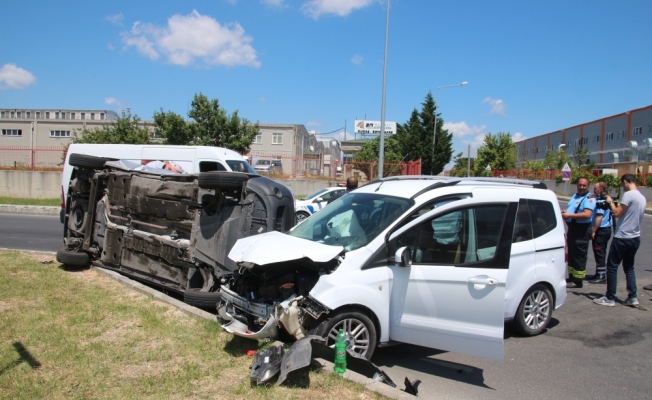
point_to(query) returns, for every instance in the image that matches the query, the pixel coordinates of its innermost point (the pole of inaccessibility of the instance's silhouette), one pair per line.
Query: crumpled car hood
(274, 247)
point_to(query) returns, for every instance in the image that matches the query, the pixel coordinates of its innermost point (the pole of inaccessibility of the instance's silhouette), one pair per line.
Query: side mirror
(402, 257)
(318, 200)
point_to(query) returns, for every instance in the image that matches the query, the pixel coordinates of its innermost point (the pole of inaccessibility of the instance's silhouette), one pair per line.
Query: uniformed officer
(601, 227)
(578, 218)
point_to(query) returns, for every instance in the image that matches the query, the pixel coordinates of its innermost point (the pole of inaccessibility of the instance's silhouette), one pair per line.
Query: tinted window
(543, 217)
(206, 166)
(241, 166)
(459, 237)
(523, 225)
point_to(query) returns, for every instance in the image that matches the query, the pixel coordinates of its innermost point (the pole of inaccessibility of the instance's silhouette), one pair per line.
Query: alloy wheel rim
(536, 310)
(355, 332)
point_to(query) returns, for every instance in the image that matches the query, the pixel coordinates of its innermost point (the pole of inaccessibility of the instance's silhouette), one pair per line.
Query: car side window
(523, 225)
(459, 237)
(206, 166)
(542, 214)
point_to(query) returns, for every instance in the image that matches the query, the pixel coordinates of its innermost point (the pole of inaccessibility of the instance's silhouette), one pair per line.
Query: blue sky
(532, 67)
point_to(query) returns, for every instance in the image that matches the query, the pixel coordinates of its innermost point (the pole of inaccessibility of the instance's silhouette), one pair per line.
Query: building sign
(364, 127)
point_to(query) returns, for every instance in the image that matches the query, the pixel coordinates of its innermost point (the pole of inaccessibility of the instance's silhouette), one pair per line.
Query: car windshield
(241, 166)
(316, 194)
(353, 220)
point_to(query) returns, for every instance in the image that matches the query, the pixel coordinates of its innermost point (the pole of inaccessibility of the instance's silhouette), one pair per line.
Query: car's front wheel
(535, 311)
(301, 216)
(359, 330)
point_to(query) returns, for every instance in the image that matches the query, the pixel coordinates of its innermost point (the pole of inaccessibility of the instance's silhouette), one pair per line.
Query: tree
(461, 163)
(368, 155)
(534, 165)
(211, 126)
(124, 130)
(173, 128)
(415, 138)
(581, 155)
(498, 152)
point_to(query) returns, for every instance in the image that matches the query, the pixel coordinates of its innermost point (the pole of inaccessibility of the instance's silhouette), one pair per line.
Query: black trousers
(602, 236)
(578, 237)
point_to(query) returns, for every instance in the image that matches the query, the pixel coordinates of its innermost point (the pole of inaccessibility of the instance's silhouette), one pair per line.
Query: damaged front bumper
(288, 314)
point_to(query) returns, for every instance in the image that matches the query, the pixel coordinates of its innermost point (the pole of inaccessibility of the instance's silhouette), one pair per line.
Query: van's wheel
(359, 330)
(86, 161)
(222, 180)
(302, 216)
(73, 258)
(535, 311)
(202, 299)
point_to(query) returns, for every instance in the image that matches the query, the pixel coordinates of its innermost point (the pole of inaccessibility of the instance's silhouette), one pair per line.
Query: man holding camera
(625, 243)
(601, 232)
(578, 217)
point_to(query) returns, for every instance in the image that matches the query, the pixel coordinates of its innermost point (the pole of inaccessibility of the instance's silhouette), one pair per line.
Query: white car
(311, 204)
(435, 262)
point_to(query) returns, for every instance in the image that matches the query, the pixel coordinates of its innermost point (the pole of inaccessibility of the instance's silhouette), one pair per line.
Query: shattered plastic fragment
(267, 363)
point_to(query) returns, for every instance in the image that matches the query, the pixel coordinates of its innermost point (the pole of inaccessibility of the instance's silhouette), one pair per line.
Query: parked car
(436, 262)
(171, 230)
(269, 167)
(312, 203)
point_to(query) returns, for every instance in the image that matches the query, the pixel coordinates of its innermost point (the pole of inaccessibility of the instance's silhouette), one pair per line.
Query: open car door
(452, 296)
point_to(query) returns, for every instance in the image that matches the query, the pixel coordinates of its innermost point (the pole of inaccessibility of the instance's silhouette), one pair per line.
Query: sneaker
(604, 301)
(632, 302)
(599, 279)
(647, 287)
(575, 284)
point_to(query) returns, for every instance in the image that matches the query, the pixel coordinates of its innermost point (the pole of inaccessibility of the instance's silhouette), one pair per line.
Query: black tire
(73, 258)
(352, 320)
(535, 311)
(86, 161)
(202, 299)
(301, 215)
(222, 180)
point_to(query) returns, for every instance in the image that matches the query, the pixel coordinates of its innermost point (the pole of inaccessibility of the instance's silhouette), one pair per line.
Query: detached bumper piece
(267, 363)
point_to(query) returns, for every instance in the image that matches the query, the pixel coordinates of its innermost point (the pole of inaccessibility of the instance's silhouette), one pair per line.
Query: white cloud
(497, 106)
(517, 137)
(14, 77)
(112, 101)
(193, 39)
(274, 3)
(342, 8)
(110, 46)
(357, 59)
(314, 123)
(461, 129)
(115, 19)
(262, 100)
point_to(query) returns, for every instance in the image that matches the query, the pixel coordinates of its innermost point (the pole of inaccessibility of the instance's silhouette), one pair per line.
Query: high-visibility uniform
(579, 235)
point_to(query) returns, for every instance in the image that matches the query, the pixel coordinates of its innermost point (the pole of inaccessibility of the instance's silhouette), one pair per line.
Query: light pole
(381, 152)
(434, 136)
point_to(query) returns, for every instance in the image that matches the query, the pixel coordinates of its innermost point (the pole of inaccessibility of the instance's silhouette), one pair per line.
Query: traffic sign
(566, 172)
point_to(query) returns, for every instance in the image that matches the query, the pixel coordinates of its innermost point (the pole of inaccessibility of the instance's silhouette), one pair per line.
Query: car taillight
(63, 199)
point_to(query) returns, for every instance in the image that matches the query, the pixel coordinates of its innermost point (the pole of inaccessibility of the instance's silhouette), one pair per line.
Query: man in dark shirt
(351, 184)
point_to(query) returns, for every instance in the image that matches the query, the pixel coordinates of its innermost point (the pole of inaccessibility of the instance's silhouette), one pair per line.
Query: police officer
(601, 233)
(578, 218)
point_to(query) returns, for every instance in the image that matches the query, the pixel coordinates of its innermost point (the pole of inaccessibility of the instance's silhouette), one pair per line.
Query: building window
(637, 131)
(47, 115)
(83, 116)
(258, 139)
(63, 115)
(38, 115)
(59, 133)
(576, 142)
(12, 132)
(72, 115)
(609, 136)
(596, 139)
(13, 114)
(56, 115)
(277, 138)
(92, 115)
(102, 116)
(621, 134)
(2, 115)
(19, 114)
(28, 114)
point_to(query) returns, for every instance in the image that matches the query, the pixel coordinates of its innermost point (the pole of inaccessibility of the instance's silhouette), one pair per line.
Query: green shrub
(559, 179)
(648, 181)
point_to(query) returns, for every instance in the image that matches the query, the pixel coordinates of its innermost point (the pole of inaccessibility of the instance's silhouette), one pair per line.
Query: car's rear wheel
(359, 330)
(202, 299)
(535, 311)
(222, 180)
(86, 161)
(73, 258)
(302, 216)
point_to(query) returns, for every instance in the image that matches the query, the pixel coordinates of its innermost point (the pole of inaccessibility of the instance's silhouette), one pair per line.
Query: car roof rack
(449, 180)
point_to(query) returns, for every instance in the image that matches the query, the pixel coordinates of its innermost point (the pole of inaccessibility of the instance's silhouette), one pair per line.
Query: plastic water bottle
(340, 353)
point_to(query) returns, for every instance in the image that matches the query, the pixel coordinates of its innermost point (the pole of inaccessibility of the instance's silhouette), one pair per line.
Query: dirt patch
(149, 369)
(9, 305)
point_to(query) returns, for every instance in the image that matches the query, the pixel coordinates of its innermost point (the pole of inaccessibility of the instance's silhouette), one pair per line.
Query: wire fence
(31, 159)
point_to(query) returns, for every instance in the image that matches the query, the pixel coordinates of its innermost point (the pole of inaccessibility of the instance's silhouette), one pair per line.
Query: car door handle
(480, 282)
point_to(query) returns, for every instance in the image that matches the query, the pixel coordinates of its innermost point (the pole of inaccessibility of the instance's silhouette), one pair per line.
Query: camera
(602, 204)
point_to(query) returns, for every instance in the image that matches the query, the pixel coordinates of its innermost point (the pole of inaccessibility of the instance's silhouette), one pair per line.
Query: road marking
(451, 365)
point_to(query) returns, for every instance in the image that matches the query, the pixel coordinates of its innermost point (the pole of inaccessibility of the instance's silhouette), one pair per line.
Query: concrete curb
(29, 210)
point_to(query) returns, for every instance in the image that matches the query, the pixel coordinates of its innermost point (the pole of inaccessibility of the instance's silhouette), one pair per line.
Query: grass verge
(30, 202)
(78, 334)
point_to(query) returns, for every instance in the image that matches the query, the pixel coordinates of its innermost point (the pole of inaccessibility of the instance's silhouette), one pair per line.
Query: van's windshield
(241, 166)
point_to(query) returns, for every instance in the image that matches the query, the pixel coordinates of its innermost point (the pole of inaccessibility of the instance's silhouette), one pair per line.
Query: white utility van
(193, 159)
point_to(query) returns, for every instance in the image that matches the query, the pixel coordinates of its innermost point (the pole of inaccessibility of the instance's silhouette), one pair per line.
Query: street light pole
(434, 136)
(381, 152)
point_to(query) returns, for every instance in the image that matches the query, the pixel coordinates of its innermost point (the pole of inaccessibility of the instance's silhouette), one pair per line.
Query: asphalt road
(588, 352)
(30, 232)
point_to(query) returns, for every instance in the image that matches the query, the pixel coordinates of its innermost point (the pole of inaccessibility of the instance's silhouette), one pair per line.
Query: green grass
(78, 334)
(30, 202)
